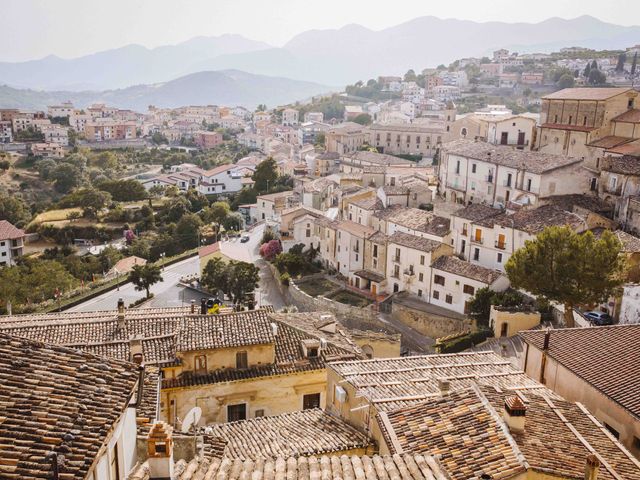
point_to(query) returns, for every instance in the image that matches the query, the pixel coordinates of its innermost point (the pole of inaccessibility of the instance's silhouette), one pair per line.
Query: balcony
(489, 179)
(477, 240)
(617, 190)
(501, 245)
(396, 258)
(465, 232)
(507, 183)
(409, 272)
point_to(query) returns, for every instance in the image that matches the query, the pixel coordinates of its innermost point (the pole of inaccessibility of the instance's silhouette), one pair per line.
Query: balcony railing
(396, 258)
(501, 245)
(489, 178)
(465, 233)
(617, 190)
(477, 240)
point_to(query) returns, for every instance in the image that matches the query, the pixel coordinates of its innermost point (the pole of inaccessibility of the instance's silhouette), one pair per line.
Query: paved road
(166, 293)
(169, 294)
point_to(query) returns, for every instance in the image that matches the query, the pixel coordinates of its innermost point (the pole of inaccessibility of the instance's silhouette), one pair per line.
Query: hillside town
(432, 275)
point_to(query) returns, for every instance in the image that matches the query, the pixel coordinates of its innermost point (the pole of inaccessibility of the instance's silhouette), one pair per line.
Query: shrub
(140, 301)
(285, 279)
(267, 236)
(270, 250)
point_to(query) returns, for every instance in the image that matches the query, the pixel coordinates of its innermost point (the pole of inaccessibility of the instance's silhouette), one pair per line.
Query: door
(373, 288)
(501, 241)
(463, 246)
(507, 196)
(504, 329)
(478, 237)
(520, 138)
(504, 138)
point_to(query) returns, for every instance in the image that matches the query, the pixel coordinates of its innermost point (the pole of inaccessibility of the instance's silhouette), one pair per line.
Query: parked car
(244, 239)
(599, 318)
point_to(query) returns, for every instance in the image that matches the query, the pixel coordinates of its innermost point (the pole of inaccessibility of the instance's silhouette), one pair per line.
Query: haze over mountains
(227, 87)
(327, 57)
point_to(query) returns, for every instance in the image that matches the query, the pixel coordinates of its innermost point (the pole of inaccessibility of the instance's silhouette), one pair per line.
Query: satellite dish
(191, 418)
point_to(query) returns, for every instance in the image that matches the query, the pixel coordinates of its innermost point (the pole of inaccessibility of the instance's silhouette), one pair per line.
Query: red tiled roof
(586, 93)
(583, 351)
(9, 232)
(630, 116)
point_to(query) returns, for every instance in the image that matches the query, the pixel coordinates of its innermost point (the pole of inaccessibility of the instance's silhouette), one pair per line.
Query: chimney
(135, 350)
(193, 306)
(160, 452)
(514, 414)
(203, 306)
(274, 329)
(443, 385)
(543, 357)
(547, 338)
(592, 467)
(121, 323)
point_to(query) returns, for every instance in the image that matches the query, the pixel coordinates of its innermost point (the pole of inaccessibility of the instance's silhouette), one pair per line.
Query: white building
(55, 133)
(11, 243)
(454, 282)
(221, 180)
(6, 135)
(478, 172)
(290, 117)
(63, 110)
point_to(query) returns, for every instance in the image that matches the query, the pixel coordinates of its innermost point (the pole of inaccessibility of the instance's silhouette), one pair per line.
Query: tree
(157, 191)
(622, 58)
(66, 177)
(144, 276)
(124, 190)
(265, 175)
(215, 276)
(158, 139)
(363, 119)
(29, 134)
(634, 63)
(86, 198)
(563, 266)
(596, 77)
(566, 81)
(233, 221)
(480, 304)
(216, 213)
(14, 210)
(46, 167)
(320, 139)
(587, 70)
(243, 280)
(187, 231)
(594, 65)
(73, 216)
(410, 76)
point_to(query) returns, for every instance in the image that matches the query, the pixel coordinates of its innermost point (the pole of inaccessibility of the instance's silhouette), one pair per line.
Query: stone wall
(429, 323)
(515, 321)
(351, 317)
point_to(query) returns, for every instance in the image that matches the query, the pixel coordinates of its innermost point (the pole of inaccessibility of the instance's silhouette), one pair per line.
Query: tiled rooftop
(582, 350)
(57, 399)
(307, 432)
(413, 241)
(465, 269)
(625, 165)
(467, 432)
(391, 383)
(9, 232)
(392, 467)
(534, 162)
(376, 158)
(536, 220)
(476, 212)
(585, 93)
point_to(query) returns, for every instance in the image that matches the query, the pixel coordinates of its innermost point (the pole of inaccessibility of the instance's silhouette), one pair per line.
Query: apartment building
(55, 133)
(65, 109)
(100, 130)
(290, 117)
(78, 120)
(454, 282)
(488, 237)
(270, 206)
(358, 161)
(478, 172)
(346, 138)
(223, 179)
(579, 122)
(349, 249)
(11, 243)
(6, 132)
(409, 260)
(207, 140)
(407, 139)
(314, 117)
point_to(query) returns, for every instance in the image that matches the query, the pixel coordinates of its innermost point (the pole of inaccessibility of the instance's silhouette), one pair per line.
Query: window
(438, 279)
(241, 360)
(308, 233)
(499, 258)
(115, 466)
(236, 412)
(448, 299)
(473, 168)
(312, 400)
(201, 364)
(396, 271)
(584, 121)
(613, 183)
(421, 259)
(468, 289)
(436, 294)
(555, 119)
(375, 250)
(458, 167)
(259, 413)
(570, 119)
(421, 277)
(476, 254)
(419, 293)
(312, 352)
(636, 443)
(509, 178)
(612, 430)
(397, 257)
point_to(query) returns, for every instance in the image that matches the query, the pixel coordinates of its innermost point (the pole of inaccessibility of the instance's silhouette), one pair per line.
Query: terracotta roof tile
(9, 232)
(56, 399)
(466, 269)
(586, 93)
(307, 432)
(581, 350)
(414, 242)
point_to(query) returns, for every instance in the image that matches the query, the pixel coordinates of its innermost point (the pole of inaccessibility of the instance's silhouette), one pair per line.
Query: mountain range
(227, 87)
(328, 57)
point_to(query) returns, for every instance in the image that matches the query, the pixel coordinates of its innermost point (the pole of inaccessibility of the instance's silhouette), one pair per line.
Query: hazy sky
(69, 28)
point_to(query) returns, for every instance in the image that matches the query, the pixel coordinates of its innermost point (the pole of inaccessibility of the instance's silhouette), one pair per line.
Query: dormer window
(313, 352)
(310, 347)
(201, 364)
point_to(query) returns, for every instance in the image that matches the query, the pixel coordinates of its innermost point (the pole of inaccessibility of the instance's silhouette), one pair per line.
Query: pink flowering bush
(270, 250)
